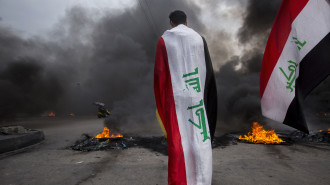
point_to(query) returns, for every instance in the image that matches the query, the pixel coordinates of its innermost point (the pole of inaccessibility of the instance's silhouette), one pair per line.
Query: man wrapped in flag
(186, 101)
(296, 59)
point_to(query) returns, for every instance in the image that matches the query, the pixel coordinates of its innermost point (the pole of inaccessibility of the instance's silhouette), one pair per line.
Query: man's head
(178, 17)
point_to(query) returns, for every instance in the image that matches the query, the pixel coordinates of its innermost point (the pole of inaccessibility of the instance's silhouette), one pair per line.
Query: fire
(52, 114)
(106, 134)
(71, 114)
(325, 131)
(260, 135)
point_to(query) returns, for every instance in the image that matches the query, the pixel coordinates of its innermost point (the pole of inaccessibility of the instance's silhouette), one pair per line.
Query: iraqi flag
(186, 100)
(296, 59)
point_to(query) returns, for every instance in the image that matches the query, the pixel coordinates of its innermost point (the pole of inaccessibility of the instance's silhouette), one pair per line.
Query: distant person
(103, 112)
(186, 99)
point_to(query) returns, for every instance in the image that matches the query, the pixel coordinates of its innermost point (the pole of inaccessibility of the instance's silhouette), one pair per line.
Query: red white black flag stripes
(186, 101)
(296, 59)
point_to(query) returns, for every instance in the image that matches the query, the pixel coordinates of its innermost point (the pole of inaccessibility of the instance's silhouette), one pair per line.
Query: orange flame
(325, 131)
(106, 134)
(260, 135)
(71, 114)
(52, 114)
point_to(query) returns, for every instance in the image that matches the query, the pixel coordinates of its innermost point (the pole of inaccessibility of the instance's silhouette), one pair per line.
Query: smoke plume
(238, 78)
(85, 59)
(110, 58)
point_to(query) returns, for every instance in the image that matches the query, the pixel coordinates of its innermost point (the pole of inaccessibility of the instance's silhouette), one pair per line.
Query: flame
(260, 135)
(71, 114)
(325, 131)
(52, 114)
(324, 114)
(106, 134)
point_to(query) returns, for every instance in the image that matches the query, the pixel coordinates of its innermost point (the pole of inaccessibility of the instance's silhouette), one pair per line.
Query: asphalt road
(50, 162)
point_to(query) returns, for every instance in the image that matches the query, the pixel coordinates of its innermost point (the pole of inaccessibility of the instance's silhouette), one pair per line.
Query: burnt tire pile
(88, 143)
(313, 137)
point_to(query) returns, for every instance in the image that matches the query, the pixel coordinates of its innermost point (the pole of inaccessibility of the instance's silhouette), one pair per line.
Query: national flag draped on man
(186, 102)
(296, 59)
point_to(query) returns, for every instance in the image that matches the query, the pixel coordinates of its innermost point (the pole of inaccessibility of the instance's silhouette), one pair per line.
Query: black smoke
(110, 59)
(122, 59)
(317, 106)
(27, 87)
(85, 59)
(238, 78)
(258, 19)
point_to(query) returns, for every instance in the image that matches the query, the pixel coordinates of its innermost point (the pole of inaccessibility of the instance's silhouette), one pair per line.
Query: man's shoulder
(180, 30)
(161, 42)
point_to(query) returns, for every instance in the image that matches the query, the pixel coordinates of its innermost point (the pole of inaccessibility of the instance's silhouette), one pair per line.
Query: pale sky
(33, 17)
(29, 18)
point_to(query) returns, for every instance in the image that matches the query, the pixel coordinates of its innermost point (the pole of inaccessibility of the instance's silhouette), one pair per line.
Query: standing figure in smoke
(186, 100)
(103, 112)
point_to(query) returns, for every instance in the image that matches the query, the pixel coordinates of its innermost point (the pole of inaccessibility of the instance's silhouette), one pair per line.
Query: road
(50, 162)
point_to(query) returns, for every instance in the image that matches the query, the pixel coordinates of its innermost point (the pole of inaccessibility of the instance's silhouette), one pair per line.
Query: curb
(14, 142)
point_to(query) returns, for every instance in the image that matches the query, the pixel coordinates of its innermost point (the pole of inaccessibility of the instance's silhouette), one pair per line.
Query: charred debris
(158, 144)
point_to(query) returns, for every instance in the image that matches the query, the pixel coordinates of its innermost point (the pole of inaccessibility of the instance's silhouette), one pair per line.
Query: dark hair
(178, 17)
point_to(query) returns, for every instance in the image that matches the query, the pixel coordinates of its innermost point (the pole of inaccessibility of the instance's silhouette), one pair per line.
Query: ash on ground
(88, 143)
(157, 144)
(313, 137)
